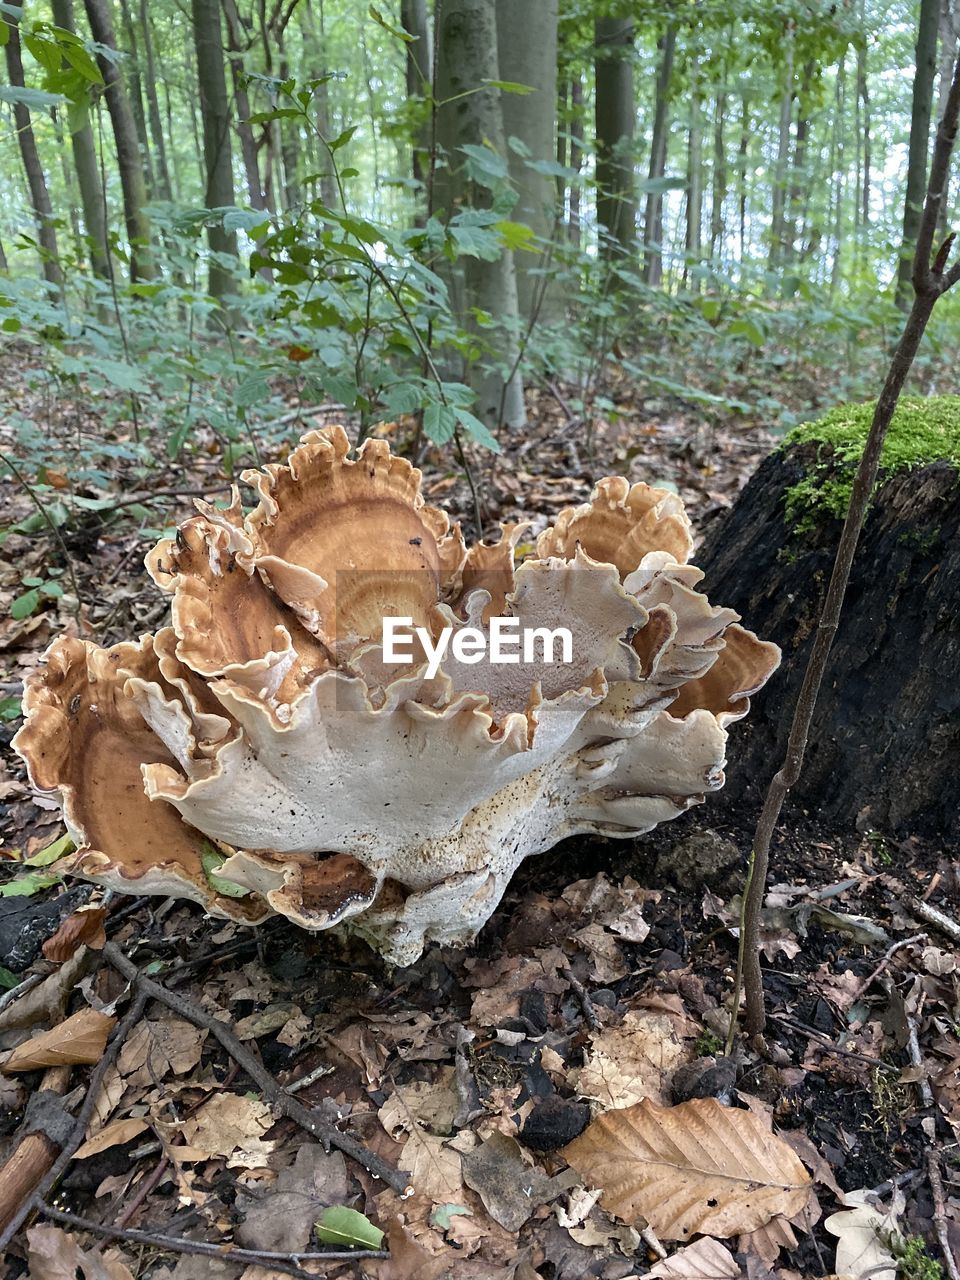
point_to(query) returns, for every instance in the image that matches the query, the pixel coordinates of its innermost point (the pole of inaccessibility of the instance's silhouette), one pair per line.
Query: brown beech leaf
(83, 927)
(79, 1039)
(705, 1260)
(697, 1168)
(111, 1135)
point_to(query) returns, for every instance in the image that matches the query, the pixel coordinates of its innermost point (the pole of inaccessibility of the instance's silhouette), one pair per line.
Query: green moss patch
(923, 430)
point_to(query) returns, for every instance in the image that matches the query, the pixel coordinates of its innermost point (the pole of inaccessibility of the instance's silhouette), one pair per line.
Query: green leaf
(35, 99)
(59, 849)
(26, 886)
(47, 52)
(440, 1218)
(439, 423)
(665, 183)
(378, 18)
(8, 980)
(252, 221)
(510, 86)
(477, 430)
(9, 709)
(83, 62)
(340, 1225)
(24, 605)
(343, 138)
(484, 164)
(212, 859)
(749, 330)
(516, 235)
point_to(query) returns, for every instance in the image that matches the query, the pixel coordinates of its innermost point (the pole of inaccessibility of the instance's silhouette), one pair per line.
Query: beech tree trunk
(615, 118)
(653, 216)
(164, 189)
(129, 161)
(527, 53)
(36, 179)
(248, 144)
(693, 243)
(87, 167)
(413, 15)
(885, 743)
(779, 193)
(466, 64)
(922, 109)
(217, 154)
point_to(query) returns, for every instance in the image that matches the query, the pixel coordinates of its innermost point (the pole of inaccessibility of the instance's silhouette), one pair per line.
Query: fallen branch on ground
(931, 1157)
(288, 1263)
(283, 1103)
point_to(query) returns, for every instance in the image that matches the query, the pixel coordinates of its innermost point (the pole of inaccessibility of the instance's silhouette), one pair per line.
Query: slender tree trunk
(135, 93)
(615, 119)
(718, 193)
(466, 64)
(290, 145)
(248, 144)
(799, 179)
(840, 177)
(314, 38)
(864, 94)
(164, 189)
(36, 180)
(742, 151)
(129, 161)
(949, 36)
(563, 145)
(88, 170)
(778, 195)
(926, 67)
(214, 110)
(576, 156)
(693, 243)
(527, 54)
(653, 215)
(413, 15)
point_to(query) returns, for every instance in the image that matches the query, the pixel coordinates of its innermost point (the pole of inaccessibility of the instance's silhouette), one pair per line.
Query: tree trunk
(164, 189)
(718, 186)
(314, 40)
(215, 113)
(527, 54)
(413, 15)
(36, 180)
(466, 63)
(778, 195)
(615, 118)
(841, 174)
(248, 144)
(864, 93)
(653, 215)
(742, 178)
(88, 170)
(135, 93)
(926, 67)
(949, 35)
(885, 744)
(128, 149)
(576, 157)
(693, 243)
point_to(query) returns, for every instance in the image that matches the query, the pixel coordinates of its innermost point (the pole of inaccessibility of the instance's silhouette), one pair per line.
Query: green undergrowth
(923, 430)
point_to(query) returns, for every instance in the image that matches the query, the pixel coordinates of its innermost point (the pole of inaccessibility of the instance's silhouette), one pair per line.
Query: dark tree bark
(36, 179)
(164, 189)
(921, 111)
(615, 119)
(413, 15)
(215, 113)
(88, 170)
(576, 157)
(718, 184)
(653, 215)
(885, 742)
(129, 161)
(694, 229)
(248, 144)
(779, 193)
(135, 93)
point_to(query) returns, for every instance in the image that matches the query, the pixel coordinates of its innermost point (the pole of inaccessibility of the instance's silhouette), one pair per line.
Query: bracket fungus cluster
(261, 755)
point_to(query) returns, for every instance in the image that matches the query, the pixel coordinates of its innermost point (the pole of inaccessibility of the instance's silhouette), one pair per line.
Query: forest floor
(604, 977)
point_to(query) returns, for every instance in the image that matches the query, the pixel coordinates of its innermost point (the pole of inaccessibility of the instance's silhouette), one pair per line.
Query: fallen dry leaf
(510, 1188)
(632, 1061)
(155, 1048)
(433, 1167)
(82, 1038)
(432, 1105)
(53, 1254)
(112, 1135)
(231, 1125)
(82, 928)
(705, 1260)
(695, 1168)
(860, 1230)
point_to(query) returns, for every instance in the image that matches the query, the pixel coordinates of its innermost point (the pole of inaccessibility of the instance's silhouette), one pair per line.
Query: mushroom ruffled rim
(262, 737)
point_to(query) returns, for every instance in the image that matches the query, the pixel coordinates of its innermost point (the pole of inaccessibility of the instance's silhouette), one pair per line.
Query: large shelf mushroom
(261, 754)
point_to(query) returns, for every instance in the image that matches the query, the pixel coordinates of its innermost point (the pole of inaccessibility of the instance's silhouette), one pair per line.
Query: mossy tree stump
(884, 750)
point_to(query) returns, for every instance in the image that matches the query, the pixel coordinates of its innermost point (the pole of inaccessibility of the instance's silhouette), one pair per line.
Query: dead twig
(931, 1157)
(468, 1096)
(931, 280)
(829, 1046)
(939, 919)
(288, 1263)
(583, 996)
(283, 1103)
(888, 955)
(80, 1124)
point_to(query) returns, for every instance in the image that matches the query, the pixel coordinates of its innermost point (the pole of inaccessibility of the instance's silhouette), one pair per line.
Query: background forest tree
(424, 211)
